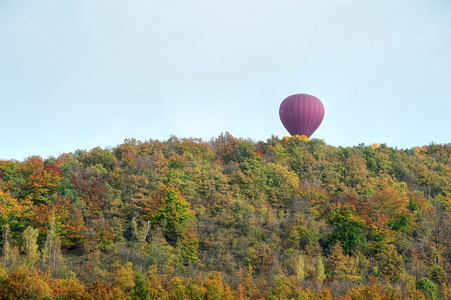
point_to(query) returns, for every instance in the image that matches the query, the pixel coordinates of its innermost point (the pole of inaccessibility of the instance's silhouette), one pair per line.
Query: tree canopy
(228, 218)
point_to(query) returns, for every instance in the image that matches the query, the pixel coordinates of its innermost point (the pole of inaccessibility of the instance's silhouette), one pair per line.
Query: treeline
(228, 219)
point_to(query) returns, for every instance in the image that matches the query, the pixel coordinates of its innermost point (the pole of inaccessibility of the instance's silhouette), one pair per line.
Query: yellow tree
(30, 246)
(11, 212)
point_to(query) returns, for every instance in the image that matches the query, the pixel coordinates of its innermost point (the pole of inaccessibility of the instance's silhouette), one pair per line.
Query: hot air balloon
(301, 114)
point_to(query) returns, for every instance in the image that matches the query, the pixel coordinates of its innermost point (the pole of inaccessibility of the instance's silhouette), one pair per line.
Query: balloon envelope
(301, 114)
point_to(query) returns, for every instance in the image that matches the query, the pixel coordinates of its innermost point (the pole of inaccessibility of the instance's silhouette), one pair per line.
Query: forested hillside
(228, 219)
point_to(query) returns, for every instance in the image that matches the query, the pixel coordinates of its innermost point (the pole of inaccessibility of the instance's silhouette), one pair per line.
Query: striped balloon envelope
(301, 114)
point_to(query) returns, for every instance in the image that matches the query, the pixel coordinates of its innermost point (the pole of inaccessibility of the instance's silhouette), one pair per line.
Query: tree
(391, 264)
(70, 288)
(124, 277)
(427, 287)
(30, 246)
(170, 211)
(261, 257)
(281, 183)
(64, 217)
(348, 227)
(215, 288)
(319, 275)
(51, 252)
(41, 182)
(12, 213)
(24, 284)
(6, 246)
(343, 266)
(188, 245)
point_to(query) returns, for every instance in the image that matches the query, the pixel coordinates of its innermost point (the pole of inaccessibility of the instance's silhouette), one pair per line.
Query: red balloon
(301, 114)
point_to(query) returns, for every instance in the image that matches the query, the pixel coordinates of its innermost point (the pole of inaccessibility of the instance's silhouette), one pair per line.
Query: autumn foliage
(287, 218)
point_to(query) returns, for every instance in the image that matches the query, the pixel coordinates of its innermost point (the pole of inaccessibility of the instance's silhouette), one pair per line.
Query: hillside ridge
(228, 218)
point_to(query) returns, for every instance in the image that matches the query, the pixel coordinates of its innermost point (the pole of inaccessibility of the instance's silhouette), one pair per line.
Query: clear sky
(78, 74)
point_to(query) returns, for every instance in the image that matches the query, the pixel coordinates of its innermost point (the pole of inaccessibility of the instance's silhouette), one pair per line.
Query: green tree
(348, 227)
(169, 210)
(140, 289)
(427, 287)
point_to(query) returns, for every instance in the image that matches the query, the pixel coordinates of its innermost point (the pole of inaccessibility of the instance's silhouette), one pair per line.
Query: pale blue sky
(78, 74)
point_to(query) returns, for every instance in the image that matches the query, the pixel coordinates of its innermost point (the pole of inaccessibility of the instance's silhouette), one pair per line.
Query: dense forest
(228, 218)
